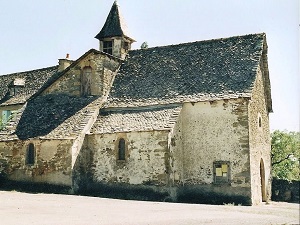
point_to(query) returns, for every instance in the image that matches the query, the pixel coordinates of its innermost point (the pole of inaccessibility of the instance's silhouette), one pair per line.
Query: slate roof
(115, 25)
(53, 116)
(140, 119)
(33, 81)
(197, 71)
(147, 92)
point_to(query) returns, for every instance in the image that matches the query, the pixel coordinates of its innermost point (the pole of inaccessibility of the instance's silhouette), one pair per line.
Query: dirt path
(21, 208)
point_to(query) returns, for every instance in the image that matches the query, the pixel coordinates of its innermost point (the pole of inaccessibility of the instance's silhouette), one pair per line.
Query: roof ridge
(142, 108)
(202, 41)
(28, 71)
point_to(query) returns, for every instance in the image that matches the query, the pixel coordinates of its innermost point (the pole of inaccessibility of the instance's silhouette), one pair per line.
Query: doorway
(262, 181)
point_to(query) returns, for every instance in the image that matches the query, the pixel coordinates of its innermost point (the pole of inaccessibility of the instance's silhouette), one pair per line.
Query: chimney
(64, 63)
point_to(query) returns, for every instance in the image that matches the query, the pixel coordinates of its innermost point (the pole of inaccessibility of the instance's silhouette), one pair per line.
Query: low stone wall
(214, 194)
(285, 191)
(199, 194)
(125, 191)
(31, 187)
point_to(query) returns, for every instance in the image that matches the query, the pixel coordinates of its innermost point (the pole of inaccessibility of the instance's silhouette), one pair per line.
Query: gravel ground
(22, 208)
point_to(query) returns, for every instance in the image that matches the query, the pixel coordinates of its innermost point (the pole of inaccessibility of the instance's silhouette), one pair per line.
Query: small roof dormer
(113, 37)
(16, 85)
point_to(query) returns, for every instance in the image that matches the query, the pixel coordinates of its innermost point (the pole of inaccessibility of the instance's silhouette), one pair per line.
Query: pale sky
(36, 33)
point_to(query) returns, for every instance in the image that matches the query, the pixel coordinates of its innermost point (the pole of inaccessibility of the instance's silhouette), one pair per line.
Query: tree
(285, 155)
(144, 45)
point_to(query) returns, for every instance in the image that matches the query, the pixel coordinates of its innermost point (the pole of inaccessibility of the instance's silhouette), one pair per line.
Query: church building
(184, 123)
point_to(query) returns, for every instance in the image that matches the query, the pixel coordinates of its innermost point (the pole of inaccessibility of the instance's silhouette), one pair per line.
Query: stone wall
(52, 161)
(103, 69)
(259, 139)
(209, 132)
(146, 161)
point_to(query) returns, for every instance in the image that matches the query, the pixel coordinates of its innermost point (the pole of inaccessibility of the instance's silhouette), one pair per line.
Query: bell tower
(113, 37)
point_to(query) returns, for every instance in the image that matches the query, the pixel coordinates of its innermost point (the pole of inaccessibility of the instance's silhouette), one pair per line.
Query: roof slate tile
(53, 116)
(34, 80)
(142, 119)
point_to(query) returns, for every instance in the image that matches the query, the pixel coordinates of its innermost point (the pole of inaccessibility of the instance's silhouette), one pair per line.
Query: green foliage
(144, 45)
(285, 155)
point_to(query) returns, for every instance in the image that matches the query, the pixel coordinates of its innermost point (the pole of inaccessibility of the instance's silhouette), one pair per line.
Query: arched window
(86, 78)
(121, 152)
(30, 154)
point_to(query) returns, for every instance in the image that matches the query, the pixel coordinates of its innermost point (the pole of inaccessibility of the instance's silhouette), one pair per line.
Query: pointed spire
(114, 25)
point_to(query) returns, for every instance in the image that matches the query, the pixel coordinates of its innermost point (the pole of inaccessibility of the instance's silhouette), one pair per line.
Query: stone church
(186, 122)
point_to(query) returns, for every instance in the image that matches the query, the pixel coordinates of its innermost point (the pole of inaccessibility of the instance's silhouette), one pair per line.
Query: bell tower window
(126, 45)
(108, 47)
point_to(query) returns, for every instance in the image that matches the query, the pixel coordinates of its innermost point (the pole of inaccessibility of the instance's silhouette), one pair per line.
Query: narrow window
(221, 172)
(259, 121)
(121, 152)
(30, 156)
(108, 47)
(86, 81)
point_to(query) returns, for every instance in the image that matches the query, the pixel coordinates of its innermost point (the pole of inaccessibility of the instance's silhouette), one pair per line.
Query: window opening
(121, 153)
(259, 121)
(86, 81)
(15, 86)
(30, 157)
(108, 47)
(126, 45)
(6, 115)
(221, 172)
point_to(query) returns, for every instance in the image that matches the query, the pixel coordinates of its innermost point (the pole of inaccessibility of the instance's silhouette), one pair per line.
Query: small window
(30, 155)
(221, 172)
(108, 47)
(15, 86)
(259, 121)
(121, 150)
